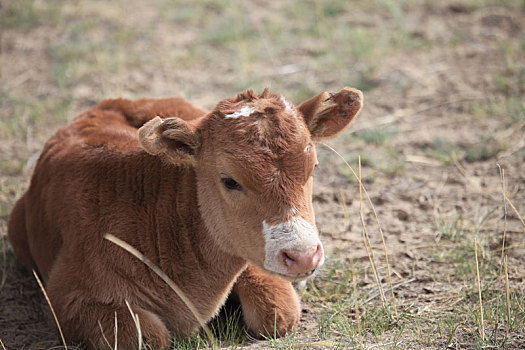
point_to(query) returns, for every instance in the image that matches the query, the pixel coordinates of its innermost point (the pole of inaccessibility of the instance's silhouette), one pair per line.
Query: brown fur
(159, 190)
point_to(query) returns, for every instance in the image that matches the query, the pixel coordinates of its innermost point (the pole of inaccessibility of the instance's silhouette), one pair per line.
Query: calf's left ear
(328, 113)
(171, 138)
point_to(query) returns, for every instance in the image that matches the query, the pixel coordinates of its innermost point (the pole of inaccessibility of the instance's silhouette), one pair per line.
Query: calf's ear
(328, 113)
(172, 138)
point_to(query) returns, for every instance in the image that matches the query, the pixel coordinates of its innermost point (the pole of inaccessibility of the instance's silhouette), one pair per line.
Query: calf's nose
(299, 261)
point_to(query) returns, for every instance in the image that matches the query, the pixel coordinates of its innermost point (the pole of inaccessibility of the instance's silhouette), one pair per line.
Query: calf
(220, 201)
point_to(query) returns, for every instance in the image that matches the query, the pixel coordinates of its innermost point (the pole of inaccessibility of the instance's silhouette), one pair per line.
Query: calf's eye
(230, 183)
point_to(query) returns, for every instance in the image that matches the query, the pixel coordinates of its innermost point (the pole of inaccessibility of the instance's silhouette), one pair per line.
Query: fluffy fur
(160, 190)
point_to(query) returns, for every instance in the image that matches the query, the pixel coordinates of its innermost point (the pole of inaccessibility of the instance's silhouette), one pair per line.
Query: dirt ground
(444, 116)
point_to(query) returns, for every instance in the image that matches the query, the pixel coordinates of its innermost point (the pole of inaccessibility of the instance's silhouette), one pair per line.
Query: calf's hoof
(271, 319)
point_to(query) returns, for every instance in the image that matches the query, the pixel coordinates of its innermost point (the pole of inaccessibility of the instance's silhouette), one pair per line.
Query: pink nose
(299, 262)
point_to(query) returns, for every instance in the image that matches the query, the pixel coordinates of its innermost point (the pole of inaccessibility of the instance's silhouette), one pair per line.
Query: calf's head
(254, 158)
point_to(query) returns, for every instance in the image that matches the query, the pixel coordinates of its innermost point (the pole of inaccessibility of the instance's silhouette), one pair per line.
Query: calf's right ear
(172, 138)
(329, 113)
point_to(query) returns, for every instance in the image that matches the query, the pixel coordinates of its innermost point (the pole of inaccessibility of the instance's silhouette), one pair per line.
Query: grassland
(441, 143)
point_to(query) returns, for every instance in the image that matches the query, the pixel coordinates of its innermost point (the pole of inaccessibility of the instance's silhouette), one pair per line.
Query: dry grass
(443, 85)
(51, 308)
(168, 281)
(366, 240)
(482, 329)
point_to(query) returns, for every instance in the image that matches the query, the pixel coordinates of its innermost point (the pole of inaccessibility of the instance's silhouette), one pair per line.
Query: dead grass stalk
(463, 172)
(502, 175)
(357, 313)
(507, 296)
(366, 240)
(482, 330)
(515, 210)
(168, 281)
(136, 320)
(358, 178)
(51, 307)
(115, 332)
(485, 193)
(503, 240)
(103, 334)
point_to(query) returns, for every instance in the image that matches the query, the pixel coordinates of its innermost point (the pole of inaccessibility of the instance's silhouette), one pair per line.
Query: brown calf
(201, 194)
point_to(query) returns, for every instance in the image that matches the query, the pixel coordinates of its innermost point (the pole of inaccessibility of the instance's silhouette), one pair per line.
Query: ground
(440, 139)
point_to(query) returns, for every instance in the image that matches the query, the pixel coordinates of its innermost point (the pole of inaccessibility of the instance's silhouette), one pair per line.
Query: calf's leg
(96, 325)
(269, 304)
(84, 317)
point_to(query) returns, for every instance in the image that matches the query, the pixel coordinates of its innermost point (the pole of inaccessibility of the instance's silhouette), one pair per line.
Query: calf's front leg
(269, 304)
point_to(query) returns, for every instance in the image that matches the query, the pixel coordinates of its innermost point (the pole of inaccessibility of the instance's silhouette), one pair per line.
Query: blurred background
(441, 141)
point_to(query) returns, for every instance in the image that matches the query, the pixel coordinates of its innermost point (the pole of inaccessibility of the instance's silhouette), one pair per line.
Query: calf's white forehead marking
(245, 111)
(289, 108)
(294, 234)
